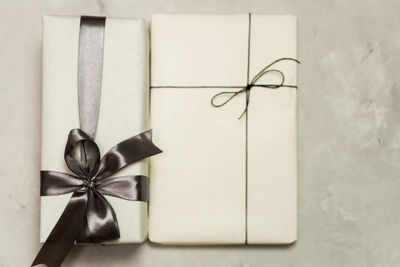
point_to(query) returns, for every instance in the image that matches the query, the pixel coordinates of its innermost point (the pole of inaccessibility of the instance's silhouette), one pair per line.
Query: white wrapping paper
(123, 109)
(198, 190)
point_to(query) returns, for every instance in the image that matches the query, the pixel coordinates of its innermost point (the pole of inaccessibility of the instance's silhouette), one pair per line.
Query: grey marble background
(349, 135)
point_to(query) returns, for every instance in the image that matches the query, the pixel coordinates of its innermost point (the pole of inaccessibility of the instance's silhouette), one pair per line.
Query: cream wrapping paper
(123, 109)
(208, 187)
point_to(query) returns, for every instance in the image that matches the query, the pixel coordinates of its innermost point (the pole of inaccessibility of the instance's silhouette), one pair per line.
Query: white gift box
(222, 180)
(123, 110)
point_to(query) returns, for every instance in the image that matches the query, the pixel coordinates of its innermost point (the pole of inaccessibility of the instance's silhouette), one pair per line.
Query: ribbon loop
(81, 154)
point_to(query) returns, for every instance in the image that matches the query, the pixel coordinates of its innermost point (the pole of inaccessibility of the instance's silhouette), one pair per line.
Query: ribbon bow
(252, 83)
(89, 217)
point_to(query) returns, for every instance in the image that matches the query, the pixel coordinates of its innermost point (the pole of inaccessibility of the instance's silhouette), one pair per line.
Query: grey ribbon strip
(90, 70)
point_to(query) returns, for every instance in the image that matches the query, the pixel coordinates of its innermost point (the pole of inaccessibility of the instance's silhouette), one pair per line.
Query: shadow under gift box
(209, 187)
(123, 109)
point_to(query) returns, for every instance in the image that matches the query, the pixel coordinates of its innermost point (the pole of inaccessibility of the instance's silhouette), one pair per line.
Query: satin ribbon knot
(252, 84)
(88, 216)
(89, 185)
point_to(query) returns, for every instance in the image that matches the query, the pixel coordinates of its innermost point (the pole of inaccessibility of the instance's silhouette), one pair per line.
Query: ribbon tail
(64, 233)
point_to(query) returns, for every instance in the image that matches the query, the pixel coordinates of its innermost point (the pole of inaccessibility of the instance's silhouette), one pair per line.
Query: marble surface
(349, 135)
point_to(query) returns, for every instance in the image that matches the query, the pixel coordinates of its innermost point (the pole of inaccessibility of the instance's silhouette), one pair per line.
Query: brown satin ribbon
(88, 216)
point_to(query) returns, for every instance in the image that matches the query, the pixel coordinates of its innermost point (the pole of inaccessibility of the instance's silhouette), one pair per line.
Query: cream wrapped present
(107, 60)
(224, 180)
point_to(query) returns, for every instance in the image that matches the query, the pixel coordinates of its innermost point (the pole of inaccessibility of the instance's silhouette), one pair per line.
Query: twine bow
(252, 84)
